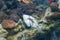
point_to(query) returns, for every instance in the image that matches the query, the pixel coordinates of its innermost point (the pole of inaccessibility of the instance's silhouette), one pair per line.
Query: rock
(54, 7)
(1, 4)
(14, 17)
(8, 24)
(1, 38)
(24, 35)
(59, 3)
(3, 33)
(26, 1)
(55, 16)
